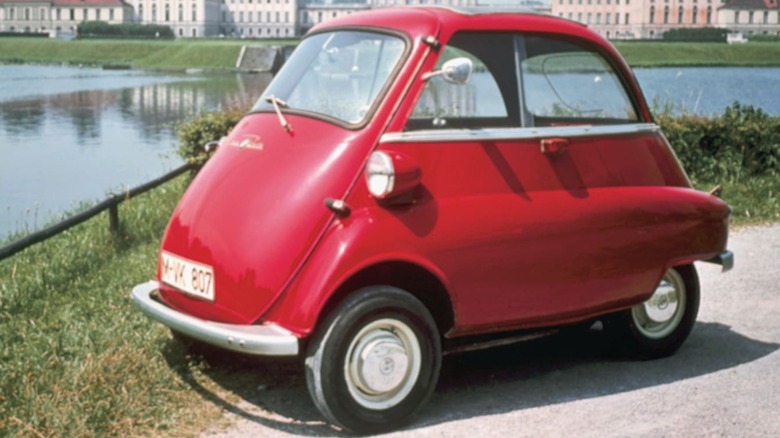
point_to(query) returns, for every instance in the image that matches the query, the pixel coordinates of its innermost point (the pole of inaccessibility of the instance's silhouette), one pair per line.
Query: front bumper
(262, 340)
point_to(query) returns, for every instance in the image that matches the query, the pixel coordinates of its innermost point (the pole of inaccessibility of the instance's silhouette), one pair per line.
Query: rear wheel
(374, 361)
(659, 326)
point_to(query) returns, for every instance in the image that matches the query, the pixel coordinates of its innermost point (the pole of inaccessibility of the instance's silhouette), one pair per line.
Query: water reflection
(59, 149)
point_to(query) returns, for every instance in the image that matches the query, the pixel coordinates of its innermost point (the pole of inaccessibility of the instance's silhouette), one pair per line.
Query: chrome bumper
(725, 259)
(263, 340)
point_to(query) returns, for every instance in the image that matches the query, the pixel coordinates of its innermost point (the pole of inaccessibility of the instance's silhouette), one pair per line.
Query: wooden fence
(111, 204)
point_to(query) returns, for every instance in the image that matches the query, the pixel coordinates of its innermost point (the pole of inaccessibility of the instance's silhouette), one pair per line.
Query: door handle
(554, 146)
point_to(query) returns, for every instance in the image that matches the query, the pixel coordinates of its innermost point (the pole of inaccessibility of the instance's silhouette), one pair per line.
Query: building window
(241, 17)
(590, 17)
(736, 17)
(97, 14)
(709, 14)
(579, 17)
(695, 15)
(627, 18)
(194, 32)
(181, 14)
(766, 17)
(111, 14)
(249, 19)
(598, 18)
(59, 14)
(141, 11)
(194, 14)
(680, 15)
(652, 14)
(43, 14)
(608, 18)
(27, 14)
(750, 17)
(72, 14)
(666, 14)
(617, 18)
(154, 13)
(167, 12)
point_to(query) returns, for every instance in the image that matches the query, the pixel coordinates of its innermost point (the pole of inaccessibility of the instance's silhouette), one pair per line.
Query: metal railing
(111, 204)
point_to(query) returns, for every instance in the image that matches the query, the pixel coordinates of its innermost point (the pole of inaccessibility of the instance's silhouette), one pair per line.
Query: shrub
(706, 34)
(203, 128)
(101, 29)
(743, 142)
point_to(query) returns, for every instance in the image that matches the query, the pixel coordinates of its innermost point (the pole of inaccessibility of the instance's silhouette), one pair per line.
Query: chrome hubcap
(660, 315)
(383, 363)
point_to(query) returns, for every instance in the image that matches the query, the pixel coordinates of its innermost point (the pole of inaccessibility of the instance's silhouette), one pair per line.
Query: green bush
(203, 128)
(744, 142)
(706, 34)
(101, 29)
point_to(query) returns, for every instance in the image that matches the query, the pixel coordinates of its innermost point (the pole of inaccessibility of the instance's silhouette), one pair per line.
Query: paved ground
(725, 381)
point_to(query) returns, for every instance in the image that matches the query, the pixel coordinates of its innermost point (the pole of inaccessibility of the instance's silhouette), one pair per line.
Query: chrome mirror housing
(455, 71)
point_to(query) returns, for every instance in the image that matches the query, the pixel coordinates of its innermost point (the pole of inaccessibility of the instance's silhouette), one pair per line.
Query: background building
(60, 15)
(751, 17)
(630, 19)
(187, 18)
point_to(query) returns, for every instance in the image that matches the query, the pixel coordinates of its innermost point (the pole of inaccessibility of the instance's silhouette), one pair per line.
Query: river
(71, 135)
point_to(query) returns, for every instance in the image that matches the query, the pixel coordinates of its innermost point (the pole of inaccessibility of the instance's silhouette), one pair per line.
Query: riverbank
(77, 358)
(143, 54)
(222, 54)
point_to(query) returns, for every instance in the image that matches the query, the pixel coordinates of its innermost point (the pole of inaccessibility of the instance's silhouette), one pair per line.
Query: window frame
(527, 120)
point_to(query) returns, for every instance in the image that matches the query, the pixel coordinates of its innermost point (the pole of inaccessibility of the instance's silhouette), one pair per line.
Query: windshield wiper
(278, 105)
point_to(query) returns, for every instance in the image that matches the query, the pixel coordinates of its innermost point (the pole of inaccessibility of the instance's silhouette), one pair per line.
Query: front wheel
(374, 361)
(658, 327)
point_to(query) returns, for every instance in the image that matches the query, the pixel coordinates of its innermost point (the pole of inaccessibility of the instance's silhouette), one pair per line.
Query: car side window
(489, 99)
(566, 84)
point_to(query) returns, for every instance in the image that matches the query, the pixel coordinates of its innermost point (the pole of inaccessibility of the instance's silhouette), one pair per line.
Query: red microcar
(417, 180)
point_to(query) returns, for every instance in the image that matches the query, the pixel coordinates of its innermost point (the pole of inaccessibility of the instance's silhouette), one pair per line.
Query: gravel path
(725, 381)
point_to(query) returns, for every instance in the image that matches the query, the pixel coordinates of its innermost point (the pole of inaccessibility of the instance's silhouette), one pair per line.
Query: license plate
(189, 277)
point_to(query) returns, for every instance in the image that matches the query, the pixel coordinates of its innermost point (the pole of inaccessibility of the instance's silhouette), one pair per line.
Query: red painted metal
(518, 238)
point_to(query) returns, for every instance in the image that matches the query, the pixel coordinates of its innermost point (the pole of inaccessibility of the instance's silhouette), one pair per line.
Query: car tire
(657, 327)
(374, 361)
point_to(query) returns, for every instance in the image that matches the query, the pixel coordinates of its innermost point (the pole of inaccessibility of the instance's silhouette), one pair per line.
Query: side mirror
(455, 71)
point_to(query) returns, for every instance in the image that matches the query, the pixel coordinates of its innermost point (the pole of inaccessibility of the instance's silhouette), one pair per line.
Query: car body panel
(518, 234)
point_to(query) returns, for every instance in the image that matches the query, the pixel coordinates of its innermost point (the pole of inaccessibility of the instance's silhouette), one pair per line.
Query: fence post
(113, 217)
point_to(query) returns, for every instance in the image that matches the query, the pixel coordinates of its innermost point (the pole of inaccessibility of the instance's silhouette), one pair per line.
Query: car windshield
(335, 74)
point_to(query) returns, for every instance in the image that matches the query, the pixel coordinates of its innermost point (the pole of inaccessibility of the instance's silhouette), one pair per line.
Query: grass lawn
(178, 54)
(223, 53)
(76, 357)
(660, 54)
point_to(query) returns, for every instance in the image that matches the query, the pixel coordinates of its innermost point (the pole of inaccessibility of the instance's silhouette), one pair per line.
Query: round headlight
(380, 175)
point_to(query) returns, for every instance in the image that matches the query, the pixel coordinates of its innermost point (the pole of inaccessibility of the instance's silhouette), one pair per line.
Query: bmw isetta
(419, 179)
